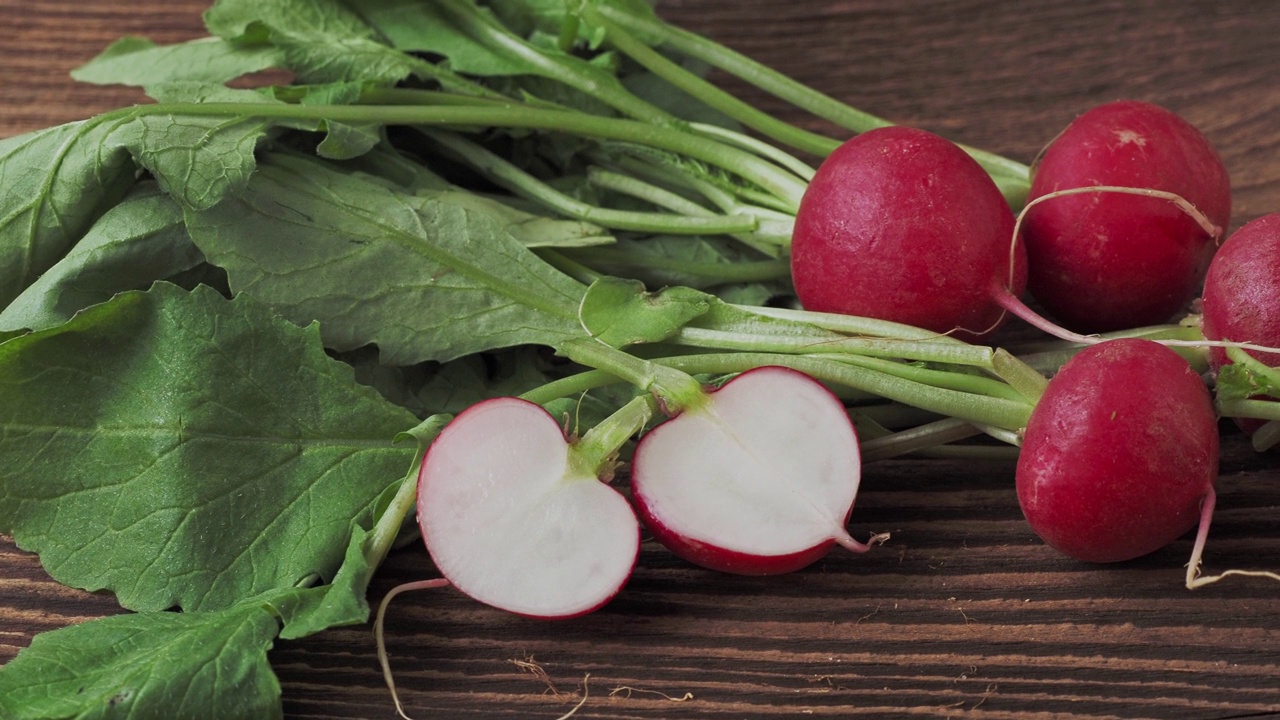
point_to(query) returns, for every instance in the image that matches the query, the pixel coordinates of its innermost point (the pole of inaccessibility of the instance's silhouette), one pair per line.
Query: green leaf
(180, 449)
(414, 26)
(620, 312)
(134, 244)
(197, 160)
(530, 230)
(153, 665)
(56, 183)
(341, 602)
(421, 279)
(140, 62)
(1246, 377)
(322, 40)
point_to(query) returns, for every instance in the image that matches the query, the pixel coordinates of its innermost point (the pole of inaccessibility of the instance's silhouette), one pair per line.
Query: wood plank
(964, 612)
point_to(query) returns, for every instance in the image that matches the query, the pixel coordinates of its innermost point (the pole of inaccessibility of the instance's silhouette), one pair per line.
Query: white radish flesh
(759, 479)
(513, 521)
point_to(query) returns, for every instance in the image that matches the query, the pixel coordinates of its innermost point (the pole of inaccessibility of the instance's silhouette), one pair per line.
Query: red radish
(900, 224)
(513, 520)
(1241, 299)
(1120, 453)
(1108, 261)
(758, 479)
(1241, 296)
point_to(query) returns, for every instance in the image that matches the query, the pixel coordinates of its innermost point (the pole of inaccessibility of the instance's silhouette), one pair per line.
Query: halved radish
(758, 479)
(513, 518)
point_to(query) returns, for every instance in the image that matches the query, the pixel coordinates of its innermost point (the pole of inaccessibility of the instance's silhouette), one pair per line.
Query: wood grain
(964, 613)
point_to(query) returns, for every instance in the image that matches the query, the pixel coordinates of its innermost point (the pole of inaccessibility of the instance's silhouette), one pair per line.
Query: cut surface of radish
(760, 479)
(512, 521)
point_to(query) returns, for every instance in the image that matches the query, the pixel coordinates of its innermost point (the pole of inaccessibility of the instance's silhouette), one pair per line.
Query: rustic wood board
(964, 613)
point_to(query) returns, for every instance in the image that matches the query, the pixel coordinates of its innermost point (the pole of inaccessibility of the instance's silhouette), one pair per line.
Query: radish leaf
(135, 243)
(620, 312)
(322, 40)
(139, 61)
(184, 450)
(421, 279)
(56, 182)
(157, 664)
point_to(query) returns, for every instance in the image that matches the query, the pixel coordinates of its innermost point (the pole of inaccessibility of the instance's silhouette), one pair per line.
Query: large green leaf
(180, 449)
(55, 183)
(322, 40)
(196, 159)
(421, 278)
(135, 243)
(415, 26)
(152, 665)
(139, 61)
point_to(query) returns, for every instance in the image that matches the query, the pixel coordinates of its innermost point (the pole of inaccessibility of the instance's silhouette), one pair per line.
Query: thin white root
(1014, 306)
(378, 637)
(585, 694)
(1194, 579)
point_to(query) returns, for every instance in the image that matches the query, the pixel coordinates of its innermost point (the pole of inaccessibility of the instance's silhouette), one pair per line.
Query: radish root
(1194, 579)
(383, 661)
(847, 541)
(585, 694)
(1007, 300)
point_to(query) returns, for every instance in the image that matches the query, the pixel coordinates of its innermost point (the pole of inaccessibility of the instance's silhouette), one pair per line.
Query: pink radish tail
(378, 637)
(1010, 302)
(1194, 579)
(845, 540)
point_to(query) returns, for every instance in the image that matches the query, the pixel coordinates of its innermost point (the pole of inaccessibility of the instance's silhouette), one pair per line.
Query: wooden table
(964, 613)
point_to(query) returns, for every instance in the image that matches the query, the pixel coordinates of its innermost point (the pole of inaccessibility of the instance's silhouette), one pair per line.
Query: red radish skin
(513, 522)
(1108, 261)
(758, 480)
(900, 224)
(1120, 453)
(1241, 299)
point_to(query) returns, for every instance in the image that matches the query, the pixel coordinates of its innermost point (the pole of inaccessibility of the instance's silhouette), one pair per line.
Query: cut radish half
(758, 480)
(513, 521)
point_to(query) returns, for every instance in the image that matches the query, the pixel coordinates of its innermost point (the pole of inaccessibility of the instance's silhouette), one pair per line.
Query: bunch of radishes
(1119, 458)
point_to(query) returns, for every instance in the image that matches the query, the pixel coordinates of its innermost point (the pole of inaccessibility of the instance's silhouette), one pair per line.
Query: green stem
(508, 175)
(786, 340)
(1022, 377)
(482, 27)
(676, 389)
(597, 450)
(621, 260)
(997, 412)
(1012, 177)
(785, 186)
(855, 325)
(384, 532)
(963, 382)
(706, 92)
(732, 137)
(567, 265)
(641, 190)
(1256, 409)
(939, 432)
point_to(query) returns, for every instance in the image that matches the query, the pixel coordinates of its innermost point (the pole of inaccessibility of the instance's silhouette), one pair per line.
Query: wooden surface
(964, 613)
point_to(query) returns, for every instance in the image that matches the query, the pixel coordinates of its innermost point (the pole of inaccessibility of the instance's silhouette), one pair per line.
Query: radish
(899, 224)
(1101, 261)
(758, 479)
(1120, 453)
(1241, 299)
(513, 517)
